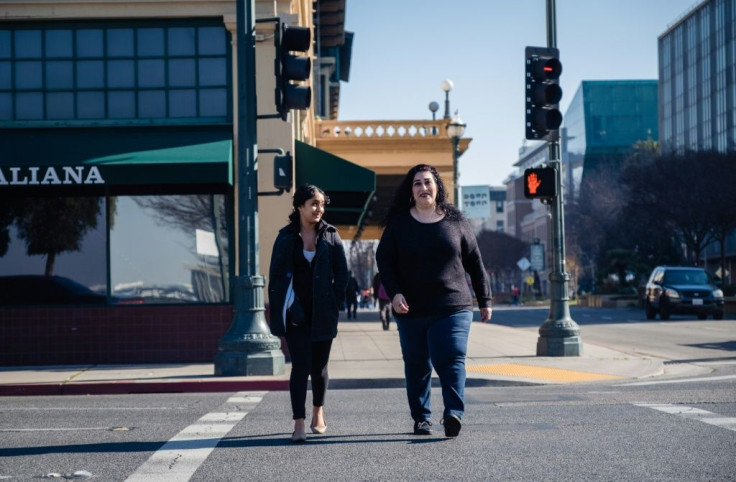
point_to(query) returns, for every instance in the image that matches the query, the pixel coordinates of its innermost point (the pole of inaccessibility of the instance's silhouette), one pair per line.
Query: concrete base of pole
(248, 348)
(236, 363)
(559, 346)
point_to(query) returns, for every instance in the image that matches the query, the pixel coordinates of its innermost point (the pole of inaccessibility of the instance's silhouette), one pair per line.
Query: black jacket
(329, 282)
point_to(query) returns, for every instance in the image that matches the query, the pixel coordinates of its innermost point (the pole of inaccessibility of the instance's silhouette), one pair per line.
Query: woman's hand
(485, 314)
(399, 304)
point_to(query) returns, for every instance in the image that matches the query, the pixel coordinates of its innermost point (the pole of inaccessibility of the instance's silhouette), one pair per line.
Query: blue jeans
(440, 342)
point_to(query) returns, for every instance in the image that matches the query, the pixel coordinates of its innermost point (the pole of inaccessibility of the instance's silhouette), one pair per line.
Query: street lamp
(447, 87)
(455, 129)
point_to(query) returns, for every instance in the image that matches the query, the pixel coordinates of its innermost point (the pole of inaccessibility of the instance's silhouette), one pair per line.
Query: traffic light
(540, 183)
(543, 93)
(282, 171)
(292, 68)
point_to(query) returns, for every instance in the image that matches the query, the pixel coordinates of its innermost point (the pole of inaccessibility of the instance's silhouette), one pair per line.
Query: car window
(675, 278)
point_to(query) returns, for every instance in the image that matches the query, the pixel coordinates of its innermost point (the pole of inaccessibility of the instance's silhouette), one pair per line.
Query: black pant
(385, 314)
(308, 358)
(353, 307)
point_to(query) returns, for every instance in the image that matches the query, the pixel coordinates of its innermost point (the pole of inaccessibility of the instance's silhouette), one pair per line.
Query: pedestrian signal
(540, 183)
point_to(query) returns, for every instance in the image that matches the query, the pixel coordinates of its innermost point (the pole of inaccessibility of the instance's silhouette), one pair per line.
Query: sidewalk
(363, 356)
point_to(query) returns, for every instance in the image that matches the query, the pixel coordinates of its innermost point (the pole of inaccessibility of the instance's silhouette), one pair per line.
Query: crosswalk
(693, 413)
(181, 456)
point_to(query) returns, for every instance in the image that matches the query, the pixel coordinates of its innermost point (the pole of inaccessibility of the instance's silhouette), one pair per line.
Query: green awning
(349, 186)
(115, 156)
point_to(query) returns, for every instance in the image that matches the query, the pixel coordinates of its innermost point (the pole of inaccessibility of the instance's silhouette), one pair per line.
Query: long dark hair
(404, 197)
(302, 195)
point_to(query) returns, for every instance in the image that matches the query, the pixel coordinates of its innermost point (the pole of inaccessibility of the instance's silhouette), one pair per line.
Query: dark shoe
(423, 428)
(452, 426)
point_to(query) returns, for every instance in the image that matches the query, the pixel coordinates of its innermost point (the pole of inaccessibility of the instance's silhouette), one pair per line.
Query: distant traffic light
(543, 93)
(292, 69)
(540, 183)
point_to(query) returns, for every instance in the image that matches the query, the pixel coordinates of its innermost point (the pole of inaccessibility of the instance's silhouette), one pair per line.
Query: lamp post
(447, 87)
(455, 129)
(247, 348)
(434, 107)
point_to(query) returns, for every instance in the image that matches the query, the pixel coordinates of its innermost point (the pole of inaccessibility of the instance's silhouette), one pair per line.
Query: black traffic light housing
(543, 93)
(540, 183)
(282, 171)
(292, 67)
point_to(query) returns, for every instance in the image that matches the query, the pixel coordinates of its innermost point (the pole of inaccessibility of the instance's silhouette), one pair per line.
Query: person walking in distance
(307, 281)
(351, 295)
(425, 251)
(384, 306)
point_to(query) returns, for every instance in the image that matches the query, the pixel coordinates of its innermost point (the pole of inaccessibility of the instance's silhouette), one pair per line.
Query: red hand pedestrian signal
(540, 183)
(532, 183)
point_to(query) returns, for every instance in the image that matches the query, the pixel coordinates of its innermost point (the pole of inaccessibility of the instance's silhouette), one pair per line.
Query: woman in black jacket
(307, 281)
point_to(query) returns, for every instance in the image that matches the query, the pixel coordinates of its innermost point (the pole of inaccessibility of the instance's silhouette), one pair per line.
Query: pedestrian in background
(384, 304)
(351, 295)
(426, 248)
(307, 280)
(375, 285)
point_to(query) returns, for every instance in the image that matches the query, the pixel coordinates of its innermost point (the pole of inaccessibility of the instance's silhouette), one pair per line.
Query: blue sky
(404, 49)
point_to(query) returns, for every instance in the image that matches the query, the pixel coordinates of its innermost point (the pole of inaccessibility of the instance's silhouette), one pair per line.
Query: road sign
(523, 264)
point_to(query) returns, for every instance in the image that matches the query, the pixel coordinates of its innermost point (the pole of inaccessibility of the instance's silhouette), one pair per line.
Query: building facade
(697, 73)
(118, 174)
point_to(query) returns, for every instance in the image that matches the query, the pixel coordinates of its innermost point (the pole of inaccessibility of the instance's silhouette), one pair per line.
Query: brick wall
(112, 335)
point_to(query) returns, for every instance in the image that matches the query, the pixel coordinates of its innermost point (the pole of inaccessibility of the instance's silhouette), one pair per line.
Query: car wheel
(702, 316)
(718, 315)
(664, 312)
(651, 312)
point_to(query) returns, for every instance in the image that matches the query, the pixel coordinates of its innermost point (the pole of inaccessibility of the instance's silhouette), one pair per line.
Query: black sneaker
(452, 426)
(423, 428)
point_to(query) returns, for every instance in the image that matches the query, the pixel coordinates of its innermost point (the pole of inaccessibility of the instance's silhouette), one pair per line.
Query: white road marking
(679, 380)
(181, 456)
(729, 423)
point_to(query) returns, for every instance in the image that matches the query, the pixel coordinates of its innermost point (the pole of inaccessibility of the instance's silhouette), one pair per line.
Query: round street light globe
(447, 85)
(456, 127)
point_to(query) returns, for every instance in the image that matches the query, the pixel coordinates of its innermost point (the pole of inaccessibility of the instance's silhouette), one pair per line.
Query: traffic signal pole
(247, 348)
(559, 335)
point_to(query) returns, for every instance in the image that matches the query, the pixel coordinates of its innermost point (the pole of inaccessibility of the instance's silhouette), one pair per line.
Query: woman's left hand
(485, 314)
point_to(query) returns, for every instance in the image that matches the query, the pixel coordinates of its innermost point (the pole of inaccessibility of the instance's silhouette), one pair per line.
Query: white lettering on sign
(52, 175)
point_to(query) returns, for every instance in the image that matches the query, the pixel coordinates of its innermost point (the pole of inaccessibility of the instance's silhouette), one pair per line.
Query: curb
(205, 386)
(124, 388)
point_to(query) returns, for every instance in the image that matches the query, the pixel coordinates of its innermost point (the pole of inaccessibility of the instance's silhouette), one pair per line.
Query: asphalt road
(681, 426)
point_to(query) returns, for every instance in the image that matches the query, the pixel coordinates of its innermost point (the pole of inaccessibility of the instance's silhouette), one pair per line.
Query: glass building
(602, 123)
(697, 72)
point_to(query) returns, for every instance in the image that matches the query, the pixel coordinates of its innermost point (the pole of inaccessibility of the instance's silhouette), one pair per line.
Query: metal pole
(455, 157)
(447, 104)
(559, 335)
(248, 348)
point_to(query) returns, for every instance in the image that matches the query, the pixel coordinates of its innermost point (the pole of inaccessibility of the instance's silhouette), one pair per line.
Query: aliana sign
(50, 175)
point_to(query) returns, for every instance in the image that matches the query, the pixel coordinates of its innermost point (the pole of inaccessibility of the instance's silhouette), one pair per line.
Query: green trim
(349, 186)
(124, 157)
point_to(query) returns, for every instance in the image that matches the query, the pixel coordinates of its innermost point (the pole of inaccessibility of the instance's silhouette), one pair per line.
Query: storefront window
(59, 244)
(77, 74)
(170, 249)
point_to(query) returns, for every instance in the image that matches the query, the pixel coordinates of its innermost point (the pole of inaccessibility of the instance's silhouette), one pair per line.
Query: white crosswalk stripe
(692, 413)
(181, 456)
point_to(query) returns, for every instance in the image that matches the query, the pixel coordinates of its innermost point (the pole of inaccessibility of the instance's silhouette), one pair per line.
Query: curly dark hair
(302, 195)
(404, 198)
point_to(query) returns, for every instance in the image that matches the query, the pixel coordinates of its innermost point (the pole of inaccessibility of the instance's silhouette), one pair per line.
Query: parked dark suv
(679, 290)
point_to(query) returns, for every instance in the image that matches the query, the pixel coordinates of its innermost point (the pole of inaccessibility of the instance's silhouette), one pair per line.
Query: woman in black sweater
(425, 252)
